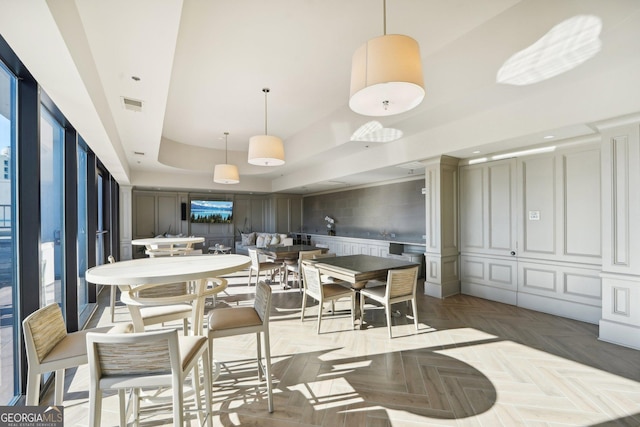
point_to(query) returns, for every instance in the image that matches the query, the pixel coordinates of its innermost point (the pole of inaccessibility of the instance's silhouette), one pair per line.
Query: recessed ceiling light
(549, 136)
(476, 152)
(480, 160)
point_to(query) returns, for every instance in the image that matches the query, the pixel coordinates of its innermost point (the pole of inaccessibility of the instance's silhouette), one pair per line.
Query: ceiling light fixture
(226, 173)
(524, 153)
(266, 150)
(386, 75)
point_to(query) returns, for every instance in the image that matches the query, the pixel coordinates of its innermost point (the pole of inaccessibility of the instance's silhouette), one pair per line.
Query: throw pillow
(275, 239)
(248, 239)
(260, 241)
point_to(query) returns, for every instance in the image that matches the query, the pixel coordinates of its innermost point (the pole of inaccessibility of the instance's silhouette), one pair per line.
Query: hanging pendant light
(226, 173)
(266, 150)
(386, 75)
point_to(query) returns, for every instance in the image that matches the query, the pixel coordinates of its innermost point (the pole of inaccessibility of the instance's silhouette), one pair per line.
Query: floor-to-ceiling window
(83, 290)
(51, 204)
(8, 316)
(41, 260)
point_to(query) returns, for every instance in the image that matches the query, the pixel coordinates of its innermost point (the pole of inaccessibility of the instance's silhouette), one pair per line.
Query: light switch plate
(534, 215)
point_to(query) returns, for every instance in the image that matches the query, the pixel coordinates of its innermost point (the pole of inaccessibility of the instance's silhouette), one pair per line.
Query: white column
(125, 218)
(442, 277)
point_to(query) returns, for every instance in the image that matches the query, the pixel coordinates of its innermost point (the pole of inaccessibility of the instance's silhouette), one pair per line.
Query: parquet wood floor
(473, 362)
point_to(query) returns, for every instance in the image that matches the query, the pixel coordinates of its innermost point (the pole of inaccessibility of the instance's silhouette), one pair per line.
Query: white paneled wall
(620, 321)
(531, 231)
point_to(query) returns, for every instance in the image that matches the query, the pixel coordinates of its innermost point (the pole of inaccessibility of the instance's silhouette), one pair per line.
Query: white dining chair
(314, 287)
(148, 360)
(400, 286)
(226, 322)
(51, 349)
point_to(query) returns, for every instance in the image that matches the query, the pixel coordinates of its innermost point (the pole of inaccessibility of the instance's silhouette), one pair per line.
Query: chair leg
(259, 355)
(387, 311)
(136, 407)
(123, 406)
(304, 303)
(95, 406)
(59, 387)
(320, 307)
(33, 389)
(112, 302)
(206, 362)
(353, 310)
(178, 402)
(267, 354)
(197, 388)
(414, 307)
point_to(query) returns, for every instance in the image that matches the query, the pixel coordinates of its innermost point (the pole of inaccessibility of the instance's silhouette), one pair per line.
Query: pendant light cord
(266, 91)
(226, 161)
(384, 17)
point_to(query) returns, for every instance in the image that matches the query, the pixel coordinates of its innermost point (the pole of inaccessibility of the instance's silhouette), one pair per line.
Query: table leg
(359, 318)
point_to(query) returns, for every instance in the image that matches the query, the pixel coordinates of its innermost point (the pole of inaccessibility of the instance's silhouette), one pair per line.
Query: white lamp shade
(266, 150)
(386, 76)
(226, 174)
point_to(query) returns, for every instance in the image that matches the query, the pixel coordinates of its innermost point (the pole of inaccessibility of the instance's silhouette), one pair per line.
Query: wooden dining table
(358, 270)
(287, 253)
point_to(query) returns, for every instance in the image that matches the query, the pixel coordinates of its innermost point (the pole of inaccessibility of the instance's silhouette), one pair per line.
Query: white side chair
(321, 292)
(226, 322)
(259, 267)
(400, 286)
(295, 268)
(149, 359)
(159, 303)
(51, 349)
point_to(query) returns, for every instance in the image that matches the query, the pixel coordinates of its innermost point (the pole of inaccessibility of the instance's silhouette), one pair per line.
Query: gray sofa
(260, 239)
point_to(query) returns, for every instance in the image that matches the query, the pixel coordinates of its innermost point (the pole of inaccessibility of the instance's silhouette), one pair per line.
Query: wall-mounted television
(211, 211)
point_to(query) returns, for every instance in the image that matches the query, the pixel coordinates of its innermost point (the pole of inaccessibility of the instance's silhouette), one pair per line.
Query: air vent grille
(131, 104)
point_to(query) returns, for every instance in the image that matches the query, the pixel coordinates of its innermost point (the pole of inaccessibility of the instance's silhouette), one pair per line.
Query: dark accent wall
(387, 211)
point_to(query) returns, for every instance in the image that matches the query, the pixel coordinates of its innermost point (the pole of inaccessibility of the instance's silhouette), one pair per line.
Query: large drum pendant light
(386, 75)
(226, 173)
(266, 150)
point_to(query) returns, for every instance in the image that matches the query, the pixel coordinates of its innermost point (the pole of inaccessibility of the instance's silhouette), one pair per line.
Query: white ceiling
(202, 66)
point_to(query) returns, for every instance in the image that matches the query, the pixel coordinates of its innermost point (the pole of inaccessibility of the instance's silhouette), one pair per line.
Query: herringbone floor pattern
(472, 363)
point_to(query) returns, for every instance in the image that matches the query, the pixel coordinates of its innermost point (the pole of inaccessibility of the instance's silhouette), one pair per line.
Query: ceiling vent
(131, 104)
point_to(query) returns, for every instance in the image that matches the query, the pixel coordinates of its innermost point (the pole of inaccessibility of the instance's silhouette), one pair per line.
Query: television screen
(211, 211)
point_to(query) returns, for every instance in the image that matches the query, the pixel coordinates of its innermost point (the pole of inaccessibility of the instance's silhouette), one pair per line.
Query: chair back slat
(144, 358)
(262, 301)
(253, 254)
(164, 290)
(47, 329)
(402, 282)
(312, 281)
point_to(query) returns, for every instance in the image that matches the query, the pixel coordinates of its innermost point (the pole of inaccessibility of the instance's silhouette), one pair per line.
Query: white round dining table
(166, 269)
